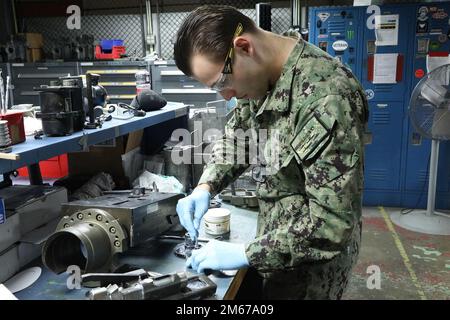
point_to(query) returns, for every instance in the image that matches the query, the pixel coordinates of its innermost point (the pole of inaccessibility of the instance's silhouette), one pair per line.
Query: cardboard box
(34, 55)
(34, 40)
(106, 159)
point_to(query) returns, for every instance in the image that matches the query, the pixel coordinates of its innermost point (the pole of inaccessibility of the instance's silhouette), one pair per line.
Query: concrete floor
(412, 265)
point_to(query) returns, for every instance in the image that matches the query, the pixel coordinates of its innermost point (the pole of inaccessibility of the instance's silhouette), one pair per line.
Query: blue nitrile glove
(218, 255)
(191, 209)
(230, 104)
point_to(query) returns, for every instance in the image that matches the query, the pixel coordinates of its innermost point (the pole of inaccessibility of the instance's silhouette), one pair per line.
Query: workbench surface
(157, 256)
(33, 150)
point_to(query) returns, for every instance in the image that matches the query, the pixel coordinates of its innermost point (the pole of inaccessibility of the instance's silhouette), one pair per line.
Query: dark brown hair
(208, 30)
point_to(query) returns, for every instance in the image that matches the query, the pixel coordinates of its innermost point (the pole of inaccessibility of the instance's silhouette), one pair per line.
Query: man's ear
(244, 45)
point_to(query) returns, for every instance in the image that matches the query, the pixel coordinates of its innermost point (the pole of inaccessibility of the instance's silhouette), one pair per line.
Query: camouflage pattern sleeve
(319, 224)
(229, 157)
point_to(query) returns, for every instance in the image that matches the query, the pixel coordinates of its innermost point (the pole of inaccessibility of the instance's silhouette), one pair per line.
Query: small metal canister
(217, 221)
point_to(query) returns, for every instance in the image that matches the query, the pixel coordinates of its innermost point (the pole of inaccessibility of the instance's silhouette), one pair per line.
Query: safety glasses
(225, 77)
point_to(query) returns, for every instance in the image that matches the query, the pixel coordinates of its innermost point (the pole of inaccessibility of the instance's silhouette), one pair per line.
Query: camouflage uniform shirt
(310, 203)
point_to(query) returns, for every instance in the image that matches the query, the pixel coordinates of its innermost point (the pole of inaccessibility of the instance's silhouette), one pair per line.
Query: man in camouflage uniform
(310, 191)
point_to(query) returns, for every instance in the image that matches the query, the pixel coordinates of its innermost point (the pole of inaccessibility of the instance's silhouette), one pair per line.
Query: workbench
(30, 152)
(155, 255)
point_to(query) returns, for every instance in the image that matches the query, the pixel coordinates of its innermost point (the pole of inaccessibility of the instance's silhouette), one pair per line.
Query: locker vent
(381, 117)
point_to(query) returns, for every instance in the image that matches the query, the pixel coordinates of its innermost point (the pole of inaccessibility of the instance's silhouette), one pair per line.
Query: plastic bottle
(142, 81)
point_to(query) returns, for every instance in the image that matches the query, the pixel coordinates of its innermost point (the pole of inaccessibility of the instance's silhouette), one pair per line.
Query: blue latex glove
(191, 209)
(230, 104)
(218, 255)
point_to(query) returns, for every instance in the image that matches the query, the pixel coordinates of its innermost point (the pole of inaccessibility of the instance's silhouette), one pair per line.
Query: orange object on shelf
(52, 168)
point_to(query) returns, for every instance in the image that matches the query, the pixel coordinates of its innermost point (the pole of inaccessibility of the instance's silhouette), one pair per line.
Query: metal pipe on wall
(295, 13)
(150, 36)
(8, 21)
(143, 31)
(304, 17)
(299, 14)
(157, 27)
(13, 6)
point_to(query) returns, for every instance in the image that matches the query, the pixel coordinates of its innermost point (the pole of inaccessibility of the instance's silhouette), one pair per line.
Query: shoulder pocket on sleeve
(311, 138)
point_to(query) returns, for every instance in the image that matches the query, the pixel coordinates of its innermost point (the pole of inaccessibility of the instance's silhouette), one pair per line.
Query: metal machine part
(83, 48)
(80, 48)
(88, 239)
(240, 198)
(141, 285)
(96, 95)
(184, 249)
(5, 138)
(61, 106)
(93, 231)
(175, 237)
(16, 49)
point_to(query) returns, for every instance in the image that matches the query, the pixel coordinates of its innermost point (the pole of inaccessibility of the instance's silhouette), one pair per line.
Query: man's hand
(191, 209)
(218, 255)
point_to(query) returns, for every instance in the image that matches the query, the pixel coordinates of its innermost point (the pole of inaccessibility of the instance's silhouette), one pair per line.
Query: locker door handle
(416, 139)
(368, 138)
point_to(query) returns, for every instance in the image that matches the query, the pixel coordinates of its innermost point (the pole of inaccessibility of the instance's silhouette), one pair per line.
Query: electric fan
(429, 111)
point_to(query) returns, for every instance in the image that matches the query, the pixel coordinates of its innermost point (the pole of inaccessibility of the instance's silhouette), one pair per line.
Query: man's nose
(227, 94)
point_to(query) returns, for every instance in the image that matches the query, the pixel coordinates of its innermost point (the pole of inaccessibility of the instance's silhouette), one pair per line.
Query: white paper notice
(436, 62)
(385, 68)
(386, 30)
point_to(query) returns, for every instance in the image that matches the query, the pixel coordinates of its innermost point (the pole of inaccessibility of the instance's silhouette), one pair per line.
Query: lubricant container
(217, 221)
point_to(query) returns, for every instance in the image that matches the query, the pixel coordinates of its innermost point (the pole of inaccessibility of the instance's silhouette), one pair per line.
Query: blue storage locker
(396, 168)
(334, 30)
(386, 91)
(384, 155)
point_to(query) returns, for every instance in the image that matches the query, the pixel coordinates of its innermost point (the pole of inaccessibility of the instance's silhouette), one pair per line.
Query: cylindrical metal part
(85, 245)
(135, 292)
(295, 13)
(100, 293)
